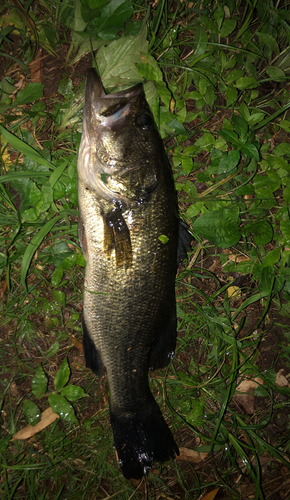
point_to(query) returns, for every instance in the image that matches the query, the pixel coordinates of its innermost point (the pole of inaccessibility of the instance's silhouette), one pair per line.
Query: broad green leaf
(164, 93)
(194, 209)
(187, 164)
(80, 260)
(272, 257)
(33, 246)
(247, 82)
(231, 95)
(230, 135)
(202, 85)
(59, 190)
(59, 297)
(152, 98)
(265, 198)
(39, 382)
(95, 4)
(285, 228)
(205, 142)
(65, 86)
(275, 72)
(148, 60)
(221, 227)
(228, 27)
(229, 162)
(251, 151)
(112, 18)
(53, 349)
(256, 118)
(63, 408)
(193, 95)
(177, 127)
(57, 276)
(116, 62)
(262, 231)
(195, 414)
(244, 111)
(209, 95)
(62, 375)
(285, 124)
(147, 72)
(32, 91)
(282, 149)
(240, 125)
(219, 15)
(90, 14)
(234, 75)
(73, 392)
(269, 40)
(69, 262)
(31, 412)
(266, 281)
(47, 196)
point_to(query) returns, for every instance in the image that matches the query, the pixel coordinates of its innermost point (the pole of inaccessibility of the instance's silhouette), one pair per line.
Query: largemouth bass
(127, 200)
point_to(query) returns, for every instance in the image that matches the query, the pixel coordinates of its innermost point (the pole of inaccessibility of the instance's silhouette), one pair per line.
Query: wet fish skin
(127, 200)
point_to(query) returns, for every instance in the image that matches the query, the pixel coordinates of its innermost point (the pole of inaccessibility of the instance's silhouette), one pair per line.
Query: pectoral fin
(117, 235)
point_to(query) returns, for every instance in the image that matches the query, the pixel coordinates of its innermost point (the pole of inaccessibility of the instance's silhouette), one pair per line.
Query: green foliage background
(216, 76)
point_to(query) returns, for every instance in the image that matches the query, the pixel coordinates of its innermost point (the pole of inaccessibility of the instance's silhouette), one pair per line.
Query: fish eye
(144, 122)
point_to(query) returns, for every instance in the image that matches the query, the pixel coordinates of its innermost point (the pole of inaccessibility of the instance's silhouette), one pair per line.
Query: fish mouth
(110, 110)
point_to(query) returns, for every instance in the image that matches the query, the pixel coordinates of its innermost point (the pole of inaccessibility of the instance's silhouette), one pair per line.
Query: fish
(128, 231)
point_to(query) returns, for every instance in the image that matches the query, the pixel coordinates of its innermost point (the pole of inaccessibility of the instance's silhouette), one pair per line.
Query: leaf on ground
(47, 418)
(76, 343)
(211, 495)
(116, 61)
(247, 398)
(36, 67)
(191, 455)
(235, 257)
(281, 380)
(234, 292)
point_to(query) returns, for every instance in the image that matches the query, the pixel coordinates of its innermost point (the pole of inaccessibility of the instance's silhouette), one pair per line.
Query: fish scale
(127, 200)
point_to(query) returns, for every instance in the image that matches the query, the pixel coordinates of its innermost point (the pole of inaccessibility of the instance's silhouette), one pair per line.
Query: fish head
(120, 141)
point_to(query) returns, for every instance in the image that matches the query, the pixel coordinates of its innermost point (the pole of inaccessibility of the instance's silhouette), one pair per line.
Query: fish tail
(141, 438)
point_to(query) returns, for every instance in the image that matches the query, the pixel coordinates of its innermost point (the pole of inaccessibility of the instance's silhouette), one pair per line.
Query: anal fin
(163, 347)
(92, 355)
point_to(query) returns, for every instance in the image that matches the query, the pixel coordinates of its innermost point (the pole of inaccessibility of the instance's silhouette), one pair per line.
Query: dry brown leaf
(13, 390)
(76, 343)
(47, 418)
(247, 400)
(211, 495)
(36, 67)
(281, 380)
(191, 455)
(3, 287)
(234, 257)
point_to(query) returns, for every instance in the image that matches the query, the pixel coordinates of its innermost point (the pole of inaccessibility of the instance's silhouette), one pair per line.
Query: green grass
(217, 81)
